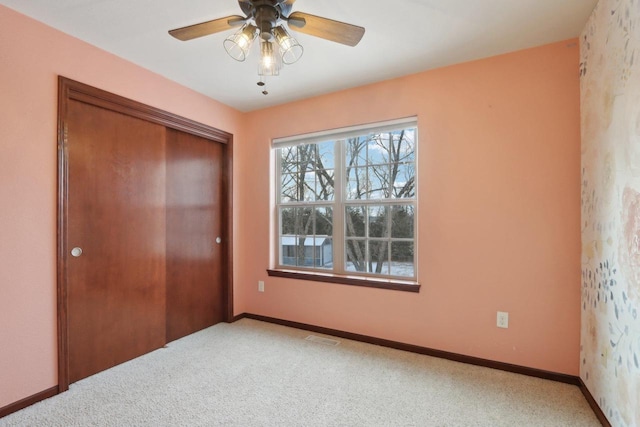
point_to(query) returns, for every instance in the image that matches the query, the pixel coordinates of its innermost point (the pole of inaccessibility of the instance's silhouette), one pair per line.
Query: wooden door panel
(195, 297)
(112, 202)
(116, 214)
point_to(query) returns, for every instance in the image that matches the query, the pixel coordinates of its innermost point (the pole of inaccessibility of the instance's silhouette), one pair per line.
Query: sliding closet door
(116, 238)
(195, 295)
(144, 229)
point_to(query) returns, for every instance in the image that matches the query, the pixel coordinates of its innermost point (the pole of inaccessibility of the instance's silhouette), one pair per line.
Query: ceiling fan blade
(205, 28)
(325, 28)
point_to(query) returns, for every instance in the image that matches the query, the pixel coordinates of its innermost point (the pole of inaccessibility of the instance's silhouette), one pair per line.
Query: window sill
(391, 284)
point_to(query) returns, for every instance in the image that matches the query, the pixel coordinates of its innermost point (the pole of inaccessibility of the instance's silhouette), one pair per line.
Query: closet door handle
(76, 252)
(218, 240)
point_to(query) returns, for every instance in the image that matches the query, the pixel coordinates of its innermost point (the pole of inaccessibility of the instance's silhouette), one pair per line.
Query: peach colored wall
(32, 55)
(498, 201)
(499, 210)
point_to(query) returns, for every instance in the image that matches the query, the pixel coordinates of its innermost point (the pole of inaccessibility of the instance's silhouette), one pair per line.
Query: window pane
(356, 151)
(288, 249)
(355, 251)
(303, 221)
(402, 256)
(289, 189)
(404, 182)
(324, 253)
(324, 221)
(357, 184)
(310, 190)
(378, 257)
(306, 157)
(289, 160)
(325, 157)
(379, 182)
(304, 255)
(406, 146)
(287, 221)
(378, 221)
(324, 184)
(402, 222)
(378, 150)
(355, 220)
(377, 153)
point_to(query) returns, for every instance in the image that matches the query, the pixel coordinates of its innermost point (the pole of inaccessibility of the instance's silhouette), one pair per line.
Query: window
(346, 201)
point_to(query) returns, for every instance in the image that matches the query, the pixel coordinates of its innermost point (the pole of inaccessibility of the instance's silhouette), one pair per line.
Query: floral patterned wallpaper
(610, 104)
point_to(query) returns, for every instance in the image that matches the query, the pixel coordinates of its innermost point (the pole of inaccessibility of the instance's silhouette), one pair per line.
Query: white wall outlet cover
(502, 319)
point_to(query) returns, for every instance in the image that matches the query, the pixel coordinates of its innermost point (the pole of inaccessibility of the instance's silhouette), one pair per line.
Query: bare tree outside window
(380, 166)
(307, 231)
(377, 205)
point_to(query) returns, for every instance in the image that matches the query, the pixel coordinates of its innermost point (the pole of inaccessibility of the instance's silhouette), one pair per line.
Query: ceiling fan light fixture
(291, 50)
(238, 44)
(270, 60)
(268, 18)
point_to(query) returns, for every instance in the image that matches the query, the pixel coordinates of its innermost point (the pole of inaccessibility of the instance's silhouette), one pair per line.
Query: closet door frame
(73, 90)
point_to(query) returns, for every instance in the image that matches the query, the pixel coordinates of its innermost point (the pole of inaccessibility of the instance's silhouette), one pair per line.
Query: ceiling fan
(267, 18)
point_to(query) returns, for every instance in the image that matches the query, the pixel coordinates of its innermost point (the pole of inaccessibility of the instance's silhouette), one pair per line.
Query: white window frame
(339, 203)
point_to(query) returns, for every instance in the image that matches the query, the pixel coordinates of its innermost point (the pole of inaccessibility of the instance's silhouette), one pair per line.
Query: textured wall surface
(610, 91)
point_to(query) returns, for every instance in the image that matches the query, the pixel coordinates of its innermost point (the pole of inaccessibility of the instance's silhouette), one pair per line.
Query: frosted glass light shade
(291, 51)
(270, 61)
(238, 44)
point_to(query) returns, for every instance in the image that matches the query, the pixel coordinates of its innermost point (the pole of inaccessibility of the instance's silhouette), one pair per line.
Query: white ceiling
(402, 37)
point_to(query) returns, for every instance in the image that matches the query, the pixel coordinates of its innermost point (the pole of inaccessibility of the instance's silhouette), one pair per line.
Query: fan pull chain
(262, 83)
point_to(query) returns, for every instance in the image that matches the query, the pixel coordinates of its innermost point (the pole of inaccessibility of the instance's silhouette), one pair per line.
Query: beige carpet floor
(252, 373)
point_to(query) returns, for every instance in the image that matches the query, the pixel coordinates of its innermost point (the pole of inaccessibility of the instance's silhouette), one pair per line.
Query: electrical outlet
(503, 319)
(260, 286)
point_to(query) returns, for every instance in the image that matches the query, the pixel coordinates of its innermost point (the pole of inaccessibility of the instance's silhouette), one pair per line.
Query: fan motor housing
(267, 14)
(266, 18)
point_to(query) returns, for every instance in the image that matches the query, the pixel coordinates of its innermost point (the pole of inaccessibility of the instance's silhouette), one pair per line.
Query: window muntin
(347, 201)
